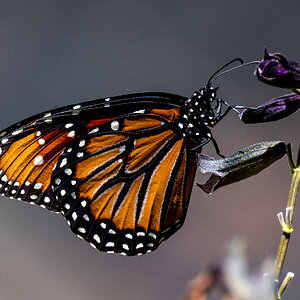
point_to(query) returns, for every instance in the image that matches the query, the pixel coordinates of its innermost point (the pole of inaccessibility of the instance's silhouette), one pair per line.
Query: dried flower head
(272, 110)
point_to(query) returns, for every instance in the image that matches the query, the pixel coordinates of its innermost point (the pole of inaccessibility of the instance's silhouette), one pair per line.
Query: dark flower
(243, 164)
(272, 110)
(277, 70)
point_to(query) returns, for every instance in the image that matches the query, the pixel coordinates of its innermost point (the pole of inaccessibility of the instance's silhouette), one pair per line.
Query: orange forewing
(170, 115)
(32, 158)
(140, 124)
(100, 143)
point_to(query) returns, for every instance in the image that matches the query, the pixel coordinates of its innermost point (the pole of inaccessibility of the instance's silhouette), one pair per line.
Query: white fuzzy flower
(242, 284)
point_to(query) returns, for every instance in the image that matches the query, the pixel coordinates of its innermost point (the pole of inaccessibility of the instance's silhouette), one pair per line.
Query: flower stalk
(285, 283)
(287, 223)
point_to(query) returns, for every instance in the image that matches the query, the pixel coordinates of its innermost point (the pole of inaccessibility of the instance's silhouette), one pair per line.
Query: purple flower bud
(277, 70)
(272, 110)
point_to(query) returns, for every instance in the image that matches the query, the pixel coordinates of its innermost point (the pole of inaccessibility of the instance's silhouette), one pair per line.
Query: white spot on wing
(93, 245)
(68, 171)
(39, 160)
(142, 111)
(16, 132)
(97, 238)
(46, 199)
(80, 154)
(41, 141)
(74, 215)
(140, 245)
(37, 186)
(94, 130)
(151, 234)
(129, 235)
(86, 217)
(125, 246)
(57, 181)
(63, 162)
(115, 125)
(48, 118)
(76, 109)
(81, 230)
(71, 134)
(81, 143)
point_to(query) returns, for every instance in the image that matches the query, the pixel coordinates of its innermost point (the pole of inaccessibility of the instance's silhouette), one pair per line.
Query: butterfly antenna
(216, 75)
(223, 67)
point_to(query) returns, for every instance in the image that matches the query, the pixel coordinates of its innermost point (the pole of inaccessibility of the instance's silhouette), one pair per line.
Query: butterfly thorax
(199, 114)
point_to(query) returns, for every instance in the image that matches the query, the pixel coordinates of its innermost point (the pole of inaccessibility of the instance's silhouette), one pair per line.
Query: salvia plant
(232, 276)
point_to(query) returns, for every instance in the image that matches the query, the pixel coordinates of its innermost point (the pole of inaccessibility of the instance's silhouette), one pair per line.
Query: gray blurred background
(54, 53)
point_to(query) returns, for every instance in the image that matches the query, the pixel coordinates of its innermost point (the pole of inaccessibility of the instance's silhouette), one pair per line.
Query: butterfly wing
(118, 168)
(124, 186)
(29, 152)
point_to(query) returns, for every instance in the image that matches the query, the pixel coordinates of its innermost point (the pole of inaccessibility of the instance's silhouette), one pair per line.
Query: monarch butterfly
(119, 169)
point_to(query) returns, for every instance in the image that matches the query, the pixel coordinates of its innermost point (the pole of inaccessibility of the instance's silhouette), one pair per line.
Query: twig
(287, 223)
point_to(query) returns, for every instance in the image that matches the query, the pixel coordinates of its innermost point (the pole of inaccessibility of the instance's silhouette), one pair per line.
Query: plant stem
(285, 238)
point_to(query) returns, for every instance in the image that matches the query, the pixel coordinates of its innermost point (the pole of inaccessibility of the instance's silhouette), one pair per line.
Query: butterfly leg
(220, 115)
(235, 107)
(211, 138)
(216, 147)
